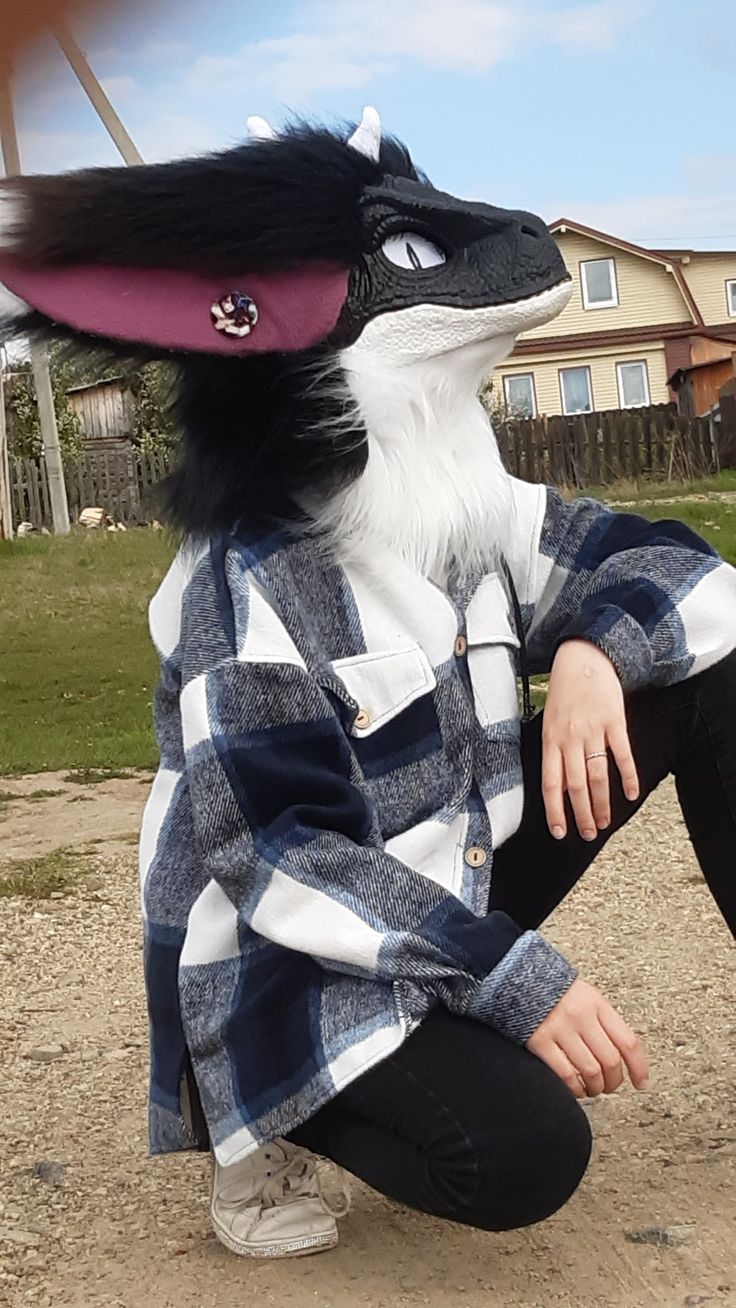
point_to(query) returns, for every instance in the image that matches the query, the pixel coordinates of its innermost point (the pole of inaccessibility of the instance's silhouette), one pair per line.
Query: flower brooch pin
(235, 314)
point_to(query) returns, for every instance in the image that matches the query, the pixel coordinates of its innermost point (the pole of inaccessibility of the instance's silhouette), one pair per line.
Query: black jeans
(460, 1122)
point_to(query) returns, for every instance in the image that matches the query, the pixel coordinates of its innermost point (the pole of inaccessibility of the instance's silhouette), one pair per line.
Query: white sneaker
(273, 1204)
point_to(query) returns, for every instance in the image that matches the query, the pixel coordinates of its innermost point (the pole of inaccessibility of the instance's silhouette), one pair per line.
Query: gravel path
(86, 1219)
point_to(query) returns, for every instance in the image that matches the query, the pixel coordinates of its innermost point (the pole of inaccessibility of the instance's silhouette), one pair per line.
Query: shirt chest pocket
(492, 657)
(396, 735)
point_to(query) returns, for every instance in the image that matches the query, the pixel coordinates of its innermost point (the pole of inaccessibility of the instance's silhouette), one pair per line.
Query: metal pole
(39, 357)
(100, 101)
(6, 507)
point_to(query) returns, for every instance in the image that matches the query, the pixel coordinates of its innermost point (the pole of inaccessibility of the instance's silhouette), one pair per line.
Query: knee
(536, 1172)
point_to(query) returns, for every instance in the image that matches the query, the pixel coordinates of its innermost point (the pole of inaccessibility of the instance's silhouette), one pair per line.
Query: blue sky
(618, 113)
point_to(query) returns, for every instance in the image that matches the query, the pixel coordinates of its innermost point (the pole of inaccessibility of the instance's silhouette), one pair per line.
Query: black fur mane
(261, 206)
(255, 431)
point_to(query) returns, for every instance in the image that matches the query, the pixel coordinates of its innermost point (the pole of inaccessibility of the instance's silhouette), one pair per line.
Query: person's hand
(583, 716)
(587, 1043)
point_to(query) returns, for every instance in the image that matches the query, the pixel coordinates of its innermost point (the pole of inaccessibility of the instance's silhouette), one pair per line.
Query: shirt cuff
(619, 636)
(519, 993)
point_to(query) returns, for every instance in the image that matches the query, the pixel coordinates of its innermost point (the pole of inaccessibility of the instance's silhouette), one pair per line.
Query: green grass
(712, 519)
(77, 667)
(58, 872)
(659, 490)
(78, 670)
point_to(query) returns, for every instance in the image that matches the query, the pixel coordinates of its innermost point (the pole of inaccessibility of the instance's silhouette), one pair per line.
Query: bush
(152, 384)
(24, 428)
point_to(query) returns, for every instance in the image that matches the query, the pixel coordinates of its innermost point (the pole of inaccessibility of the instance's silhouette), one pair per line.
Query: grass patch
(660, 490)
(58, 872)
(35, 795)
(78, 668)
(539, 687)
(712, 519)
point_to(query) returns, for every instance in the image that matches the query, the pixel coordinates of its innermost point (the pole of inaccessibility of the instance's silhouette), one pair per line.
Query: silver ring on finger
(599, 753)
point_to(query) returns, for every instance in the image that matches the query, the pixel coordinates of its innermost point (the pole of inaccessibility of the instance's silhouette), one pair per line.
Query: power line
(717, 236)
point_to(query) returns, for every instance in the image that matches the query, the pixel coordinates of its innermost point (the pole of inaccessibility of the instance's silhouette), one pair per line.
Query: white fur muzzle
(425, 330)
(434, 490)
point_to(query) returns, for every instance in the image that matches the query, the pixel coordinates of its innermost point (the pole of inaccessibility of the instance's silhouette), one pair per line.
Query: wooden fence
(597, 449)
(591, 449)
(119, 481)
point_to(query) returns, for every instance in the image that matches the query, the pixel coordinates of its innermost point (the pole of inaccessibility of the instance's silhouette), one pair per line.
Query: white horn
(367, 136)
(260, 130)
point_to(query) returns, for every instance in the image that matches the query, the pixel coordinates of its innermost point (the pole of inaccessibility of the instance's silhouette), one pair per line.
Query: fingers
(556, 1059)
(628, 1044)
(553, 792)
(583, 1041)
(607, 1058)
(587, 782)
(599, 786)
(586, 1065)
(576, 783)
(618, 739)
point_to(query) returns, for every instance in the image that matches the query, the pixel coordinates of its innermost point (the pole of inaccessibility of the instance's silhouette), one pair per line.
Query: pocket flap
(383, 684)
(488, 618)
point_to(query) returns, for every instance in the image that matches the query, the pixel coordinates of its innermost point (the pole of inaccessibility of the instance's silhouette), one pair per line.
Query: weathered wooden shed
(698, 386)
(106, 412)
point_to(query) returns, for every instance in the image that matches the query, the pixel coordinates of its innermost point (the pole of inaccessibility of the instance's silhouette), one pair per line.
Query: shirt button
(461, 647)
(363, 719)
(475, 856)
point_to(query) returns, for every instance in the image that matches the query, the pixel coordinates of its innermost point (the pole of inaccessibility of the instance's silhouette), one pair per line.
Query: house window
(633, 384)
(731, 297)
(598, 280)
(576, 390)
(521, 402)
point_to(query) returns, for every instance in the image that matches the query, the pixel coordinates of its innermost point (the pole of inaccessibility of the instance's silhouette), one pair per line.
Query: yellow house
(636, 317)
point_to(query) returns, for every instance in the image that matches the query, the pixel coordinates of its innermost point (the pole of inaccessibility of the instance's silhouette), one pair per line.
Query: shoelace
(300, 1177)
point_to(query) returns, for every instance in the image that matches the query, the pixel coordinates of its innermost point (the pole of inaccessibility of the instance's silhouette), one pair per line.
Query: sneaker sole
(311, 1244)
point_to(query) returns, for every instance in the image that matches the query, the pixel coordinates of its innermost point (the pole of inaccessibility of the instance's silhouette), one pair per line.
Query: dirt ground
(86, 1219)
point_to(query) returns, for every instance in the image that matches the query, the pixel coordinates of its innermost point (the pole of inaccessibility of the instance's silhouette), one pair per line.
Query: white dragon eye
(410, 250)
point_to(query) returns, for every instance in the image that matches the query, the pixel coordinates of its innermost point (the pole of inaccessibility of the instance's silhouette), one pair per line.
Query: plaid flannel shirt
(339, 759)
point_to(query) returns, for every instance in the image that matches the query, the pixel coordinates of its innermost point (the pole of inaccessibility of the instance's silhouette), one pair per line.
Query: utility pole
(131, 155)
(39, 356)
(100, 101)
(6, 508)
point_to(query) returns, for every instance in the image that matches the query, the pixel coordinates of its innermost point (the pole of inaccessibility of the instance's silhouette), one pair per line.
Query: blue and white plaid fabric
(339, 759)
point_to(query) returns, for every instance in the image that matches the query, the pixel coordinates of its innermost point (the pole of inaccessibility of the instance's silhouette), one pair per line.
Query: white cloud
(291, 67)
(467, 36)
(49, 152)
(169, 135)
(346, 43)
(594, 27)
(120, 88)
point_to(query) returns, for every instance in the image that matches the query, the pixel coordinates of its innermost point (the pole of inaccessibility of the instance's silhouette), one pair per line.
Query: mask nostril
(530, 231)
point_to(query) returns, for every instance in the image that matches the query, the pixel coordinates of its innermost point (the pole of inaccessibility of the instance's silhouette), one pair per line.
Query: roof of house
(650, 252)
(669, 261)
(88, 386)
(570, 224)
(687, 254)
(680, 373)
